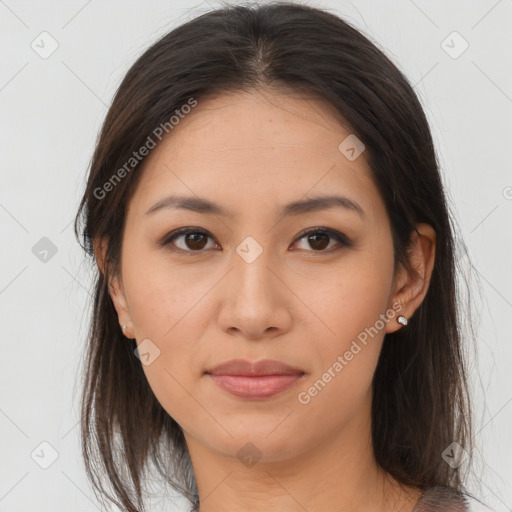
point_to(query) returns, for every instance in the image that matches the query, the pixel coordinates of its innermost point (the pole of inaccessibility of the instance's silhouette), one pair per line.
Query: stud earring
(124, 327)
(402, 320)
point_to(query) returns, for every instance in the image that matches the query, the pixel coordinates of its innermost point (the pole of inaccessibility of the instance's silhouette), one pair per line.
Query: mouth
(257, 381)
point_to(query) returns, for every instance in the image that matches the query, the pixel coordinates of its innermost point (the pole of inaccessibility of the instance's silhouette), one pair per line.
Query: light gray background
(51, 111)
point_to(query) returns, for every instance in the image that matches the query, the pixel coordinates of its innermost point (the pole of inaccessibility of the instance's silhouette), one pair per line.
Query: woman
(275, 319)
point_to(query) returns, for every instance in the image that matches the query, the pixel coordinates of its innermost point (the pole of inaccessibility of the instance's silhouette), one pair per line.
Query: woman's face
(247, 282)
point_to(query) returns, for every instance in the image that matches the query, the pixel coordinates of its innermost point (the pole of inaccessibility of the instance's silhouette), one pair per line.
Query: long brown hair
(420, 392)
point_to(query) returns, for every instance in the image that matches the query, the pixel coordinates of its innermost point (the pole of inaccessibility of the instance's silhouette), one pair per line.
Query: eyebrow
(312, 204)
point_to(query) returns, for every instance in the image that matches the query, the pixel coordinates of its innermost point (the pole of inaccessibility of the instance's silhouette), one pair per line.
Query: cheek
(164, 309)
(349, 297)
(352, 307)
(343, 372)
(162, 295)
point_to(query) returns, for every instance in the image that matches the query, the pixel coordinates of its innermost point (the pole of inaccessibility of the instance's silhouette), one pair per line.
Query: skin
(252, 152)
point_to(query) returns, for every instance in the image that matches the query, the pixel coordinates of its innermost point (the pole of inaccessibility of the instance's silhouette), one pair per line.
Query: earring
(402, 320)
(124, 327)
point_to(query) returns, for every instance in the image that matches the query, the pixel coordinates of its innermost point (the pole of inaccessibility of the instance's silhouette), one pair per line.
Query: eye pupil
(313, 238)
(196, 239)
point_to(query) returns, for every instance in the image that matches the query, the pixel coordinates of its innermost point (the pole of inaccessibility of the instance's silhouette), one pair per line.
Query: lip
(258, 368)
(259, 380)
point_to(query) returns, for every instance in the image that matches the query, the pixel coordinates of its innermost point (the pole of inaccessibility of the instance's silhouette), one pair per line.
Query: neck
(337, 474)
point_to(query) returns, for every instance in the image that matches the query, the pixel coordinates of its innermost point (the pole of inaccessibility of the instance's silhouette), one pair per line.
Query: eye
(318, 239)
(190, 239)
(196, 239)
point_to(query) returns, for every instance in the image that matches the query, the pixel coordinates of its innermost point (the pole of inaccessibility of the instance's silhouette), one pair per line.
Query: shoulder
(447, 499)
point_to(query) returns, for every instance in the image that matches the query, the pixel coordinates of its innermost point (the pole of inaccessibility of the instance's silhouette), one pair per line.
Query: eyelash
(333, 234)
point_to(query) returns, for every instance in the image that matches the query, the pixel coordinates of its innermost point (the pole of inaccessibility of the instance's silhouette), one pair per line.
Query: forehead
(259, 122)
(258, 147)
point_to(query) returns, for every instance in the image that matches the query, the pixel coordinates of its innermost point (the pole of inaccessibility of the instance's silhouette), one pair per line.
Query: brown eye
(195, 241)
(319, 239)
(188, 240)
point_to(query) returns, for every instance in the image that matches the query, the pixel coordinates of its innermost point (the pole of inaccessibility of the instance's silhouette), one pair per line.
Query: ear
(411, 287)
(99, 246)
(115, 287)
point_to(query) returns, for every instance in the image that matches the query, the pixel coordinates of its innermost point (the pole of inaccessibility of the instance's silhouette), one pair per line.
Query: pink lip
(259, 380)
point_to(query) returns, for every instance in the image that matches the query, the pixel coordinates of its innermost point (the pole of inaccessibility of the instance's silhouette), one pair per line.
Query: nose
(255, 304)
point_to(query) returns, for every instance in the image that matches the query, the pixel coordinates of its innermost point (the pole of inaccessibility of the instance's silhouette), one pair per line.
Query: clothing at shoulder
(446, 499)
